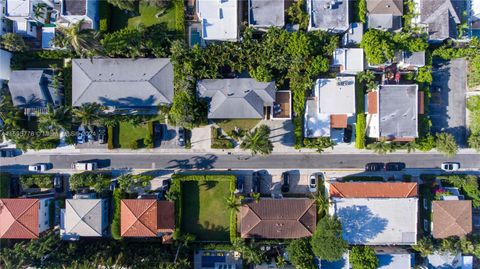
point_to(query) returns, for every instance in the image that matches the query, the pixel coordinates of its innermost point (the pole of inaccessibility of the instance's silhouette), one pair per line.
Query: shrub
(300, 253)
(39, 181)
(446, 144)
(148, 140)
(363, 258)
(319, 143)
(297, 122)
(218, 141)
(474, 141)
(134, 144)
(467, 184)
(233, 226)
(97, 181)
(362, 11)
(426, 143)
(110, 137)
(360, 127)
(115, 227)
(179, 16)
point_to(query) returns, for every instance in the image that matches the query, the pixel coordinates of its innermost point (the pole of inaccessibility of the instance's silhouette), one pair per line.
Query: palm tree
(233, 203)
(38, 10)
(381, 147)
(424, 246)
(87, 113)
(110, 121)
(258, 141)
(322, 203)
(82, 41)
(55, 119)
(410, 146)
(366, 76)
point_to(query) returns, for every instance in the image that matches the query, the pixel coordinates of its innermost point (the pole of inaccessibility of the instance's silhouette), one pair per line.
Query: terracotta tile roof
(338, 121)
(451, 218)
(421, 102)
(372, 103)
(19, 218)
(373, 189)
(273, 218)
(146, 217)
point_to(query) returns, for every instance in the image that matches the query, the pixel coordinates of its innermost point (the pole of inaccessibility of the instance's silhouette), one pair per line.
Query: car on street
(38, 167)
(256, 182)
(450, 166)
(239, 185)
(374, 167)
(81, 135)
(285, 182)
(313, 183)
(85, 166)
(181, 137)
(102, 135)
(7, 153)
(395, 166)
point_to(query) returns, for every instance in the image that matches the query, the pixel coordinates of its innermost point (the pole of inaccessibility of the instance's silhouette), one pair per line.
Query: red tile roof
(146, 217)
(19, 218)
(421, 103)
(451, 218)
(373, 189)
(278, 219)
(372, 103)
(338, 121)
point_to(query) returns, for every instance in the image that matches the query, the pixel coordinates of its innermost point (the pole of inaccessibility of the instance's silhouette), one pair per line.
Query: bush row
(115, 226)
(97, 181)
(179, 16)
(219, 141)
(36, 181)
(110, 137)
(360, 128)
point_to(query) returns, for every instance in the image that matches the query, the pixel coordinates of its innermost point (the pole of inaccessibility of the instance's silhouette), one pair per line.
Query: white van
(85, 166)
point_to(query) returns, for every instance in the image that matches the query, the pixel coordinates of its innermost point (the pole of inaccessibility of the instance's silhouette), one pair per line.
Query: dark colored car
(181, 137)
(374, 167)
(158, 130)
(102, 135)
(347, 134)
(395, 166)
(7, 153)
(239, 185)
(256, 182)
(166, 184)
(58, 183)
(285, 182)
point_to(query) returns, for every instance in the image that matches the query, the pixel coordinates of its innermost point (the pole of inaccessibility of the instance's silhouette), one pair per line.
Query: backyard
(204, 209)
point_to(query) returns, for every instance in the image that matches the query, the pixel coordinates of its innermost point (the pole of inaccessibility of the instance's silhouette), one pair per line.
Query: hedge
(298, 132)
(360, 127)
(179, 16)
(233, 225)
(363, 178)
(219, 141)
(37, 181)
(148, 140)
(104, 12)
(97, 181)
(115, 227)
(110, 137)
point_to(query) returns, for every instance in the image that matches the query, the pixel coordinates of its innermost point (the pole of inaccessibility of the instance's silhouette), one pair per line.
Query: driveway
(447, 103)
(169, 140)
(281, 135)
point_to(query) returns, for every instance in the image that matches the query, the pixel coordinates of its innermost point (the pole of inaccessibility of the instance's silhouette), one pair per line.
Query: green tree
(410, 146)
(257, 141)
(322, 203)
(83, 41)
(55, 119)
(363, 258)
(362, 11)
(424, 246)
(382, 147)
(233, 203)
(449, 245)
(88, 113)
(13, 42)
(249, 254)
(327, 242)
(297, 14)
(378, 46)
(300, 253)
(424, 75)
(446, 144)
(474, 141)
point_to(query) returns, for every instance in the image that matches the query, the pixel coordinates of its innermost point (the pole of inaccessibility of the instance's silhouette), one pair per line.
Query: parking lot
(448, 92)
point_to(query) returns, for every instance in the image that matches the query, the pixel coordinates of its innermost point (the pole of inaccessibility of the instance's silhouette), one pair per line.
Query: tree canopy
(300, 253)
(363, 258)
(327, 242)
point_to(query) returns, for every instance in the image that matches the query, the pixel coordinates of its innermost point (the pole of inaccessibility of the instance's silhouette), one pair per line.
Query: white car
(450, 166)
(38, 167)
(313, 183)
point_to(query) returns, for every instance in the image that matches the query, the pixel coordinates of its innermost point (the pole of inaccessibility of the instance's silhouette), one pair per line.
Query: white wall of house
(5, 70)
(44, 214)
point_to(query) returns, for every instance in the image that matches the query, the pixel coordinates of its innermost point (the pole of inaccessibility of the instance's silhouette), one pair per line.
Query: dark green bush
(117, 196)
(97, 181)
(39, 181)
(134, 144)
(360, 128)
(110, 137)
(219, 141)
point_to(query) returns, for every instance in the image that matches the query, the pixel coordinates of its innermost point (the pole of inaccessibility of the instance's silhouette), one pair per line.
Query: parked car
(374, 167)
(85, 166)
(158, 130)
(181, 137)
(81, 135)
(285, 182)
(313, 183)
(102, 135)
(166, 185)
(38, 167)
(347, 134)
(395, 166)
(450, 166)
(58, 183)
(256, 182)
(8, 153)
(239, 185)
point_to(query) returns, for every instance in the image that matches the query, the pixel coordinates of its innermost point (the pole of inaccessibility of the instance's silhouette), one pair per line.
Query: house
(438, 260)
(348, 61)
(395, 260)
(21, 14)
(33, 89)
(392, 112)
(286, 218)
(365, 210)
(73, 11)
(5, 69)
(385, 14)
(451, 218)
(85, 217)
(328, 15)
(3, 21)
(332, 107)
(409, 60)
(132, 85)
(263, 14)
(146, 218)
(241, 98)
(24, 218)
(442, 18)
(219, 19)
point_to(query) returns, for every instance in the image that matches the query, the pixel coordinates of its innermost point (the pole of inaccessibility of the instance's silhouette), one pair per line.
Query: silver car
(450, 166)
(313, 183)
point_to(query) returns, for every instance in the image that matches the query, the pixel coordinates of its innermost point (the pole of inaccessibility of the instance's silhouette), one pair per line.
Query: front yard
(129, 133)
(228, 126)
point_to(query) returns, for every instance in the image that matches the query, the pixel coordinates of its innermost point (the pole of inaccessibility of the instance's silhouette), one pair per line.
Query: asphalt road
(210, 161)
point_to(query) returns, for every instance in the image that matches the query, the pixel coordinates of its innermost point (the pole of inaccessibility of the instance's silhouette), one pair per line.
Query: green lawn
(204, 210)
(129, 133)
(229, 125)
(146, 16)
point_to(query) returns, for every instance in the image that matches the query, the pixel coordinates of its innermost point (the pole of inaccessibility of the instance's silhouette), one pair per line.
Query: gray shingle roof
(85, 217)
(328, 17)
(441, 17)
(122, 82)
(392, 7)
(30, 88)
(386, 22)
(74, 7)
(265, 13)
(242, 98)
(398, 111)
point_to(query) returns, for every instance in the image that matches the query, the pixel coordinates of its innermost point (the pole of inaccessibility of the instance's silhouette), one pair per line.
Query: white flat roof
(368, 221)
(351, 60)
(18, 8)
(394, 261)
(336, 95)
(219, 19)
(48, 33)
(316, 124)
